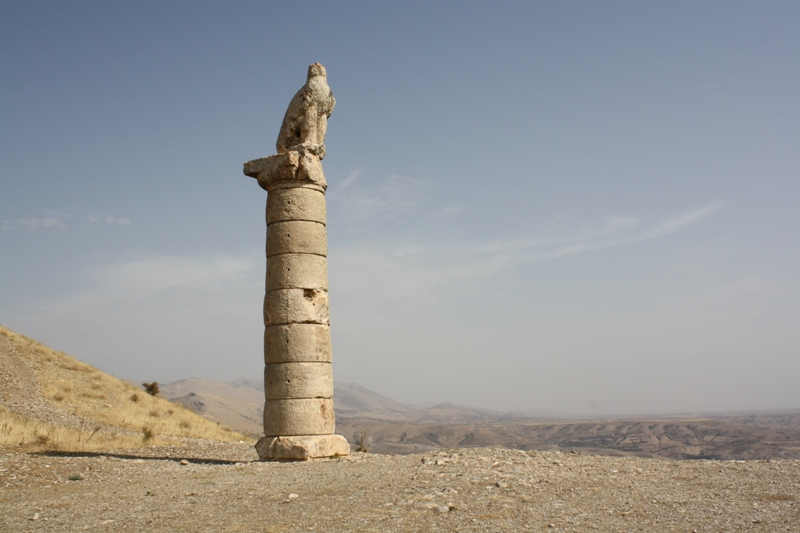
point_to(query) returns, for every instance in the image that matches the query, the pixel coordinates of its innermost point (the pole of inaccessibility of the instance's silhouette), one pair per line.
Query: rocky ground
(219, 487)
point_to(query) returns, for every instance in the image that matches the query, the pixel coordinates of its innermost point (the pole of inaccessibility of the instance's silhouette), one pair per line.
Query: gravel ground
(214, 487)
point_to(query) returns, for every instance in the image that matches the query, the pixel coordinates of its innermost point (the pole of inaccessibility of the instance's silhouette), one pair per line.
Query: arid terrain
(221, 488)
(79, 453)
(389, 426)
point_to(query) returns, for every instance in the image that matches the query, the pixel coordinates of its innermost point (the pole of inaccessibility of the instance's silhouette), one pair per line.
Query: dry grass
(31, 435)
(112, 413)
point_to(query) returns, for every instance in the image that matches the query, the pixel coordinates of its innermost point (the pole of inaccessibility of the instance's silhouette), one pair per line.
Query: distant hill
(238, 404)
(389, 426)
(50, 400)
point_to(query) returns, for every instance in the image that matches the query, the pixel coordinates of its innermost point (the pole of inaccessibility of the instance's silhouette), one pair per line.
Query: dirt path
(222, 489)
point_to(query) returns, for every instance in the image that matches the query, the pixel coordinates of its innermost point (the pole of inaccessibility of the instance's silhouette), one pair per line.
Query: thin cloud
(147, 276)
(31, 224)
(345, 183)
(678, 222)
(620, 224)
(425, 272)
(112, 221)
(391, 197)
(58, 220)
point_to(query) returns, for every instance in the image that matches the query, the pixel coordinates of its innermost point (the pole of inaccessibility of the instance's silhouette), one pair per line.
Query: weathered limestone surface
(302, 448)
(296, 306)
(297, 203)
(297, 237)
(306, 120)
(297, 343)
(298, 379)
(299, 416)
(294, 271)
(291, 168)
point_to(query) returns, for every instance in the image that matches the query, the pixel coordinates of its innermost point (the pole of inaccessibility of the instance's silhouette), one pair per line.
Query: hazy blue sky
(578, 207)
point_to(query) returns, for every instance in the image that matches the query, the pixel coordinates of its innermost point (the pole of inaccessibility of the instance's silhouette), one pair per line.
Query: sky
(564, 207)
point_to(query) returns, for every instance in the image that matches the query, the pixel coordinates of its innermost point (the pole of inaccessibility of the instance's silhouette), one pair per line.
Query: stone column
(298, 381)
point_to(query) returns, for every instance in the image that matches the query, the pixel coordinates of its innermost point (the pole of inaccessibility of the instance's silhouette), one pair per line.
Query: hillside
(239, 403)
(675, 438)
(49, 400)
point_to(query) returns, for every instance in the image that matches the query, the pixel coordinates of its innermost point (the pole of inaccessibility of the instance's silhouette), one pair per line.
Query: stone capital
(289, 169)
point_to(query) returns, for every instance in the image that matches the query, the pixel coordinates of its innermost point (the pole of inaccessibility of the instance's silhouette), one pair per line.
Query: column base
(301, 448)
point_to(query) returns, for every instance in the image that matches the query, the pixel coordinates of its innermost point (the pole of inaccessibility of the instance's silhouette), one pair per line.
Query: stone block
(297, 343)
(302, 448)
(298, 380)
(284, 166)
(296, 306)
(297, 271)
(297, 236)
(296, 203)
(292, 168)
(308, 416)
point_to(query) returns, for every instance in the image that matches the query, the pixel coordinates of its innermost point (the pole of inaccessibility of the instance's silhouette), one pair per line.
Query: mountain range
(372, 421)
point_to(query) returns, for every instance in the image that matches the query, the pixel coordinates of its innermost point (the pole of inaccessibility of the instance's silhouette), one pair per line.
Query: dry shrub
(42, 438)
(151, 388)
(361, 442)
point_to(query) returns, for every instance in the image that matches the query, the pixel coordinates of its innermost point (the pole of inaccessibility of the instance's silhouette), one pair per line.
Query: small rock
(443, 509)
(293, 496)
(184, 462)
(501, 485)
(35, 516)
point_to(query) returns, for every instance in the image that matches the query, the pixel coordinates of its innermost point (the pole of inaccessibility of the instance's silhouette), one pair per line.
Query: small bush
(58, 397)
(151, 388)
(361, 442)
(154, 413)
(134, 397)
(148, 434)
